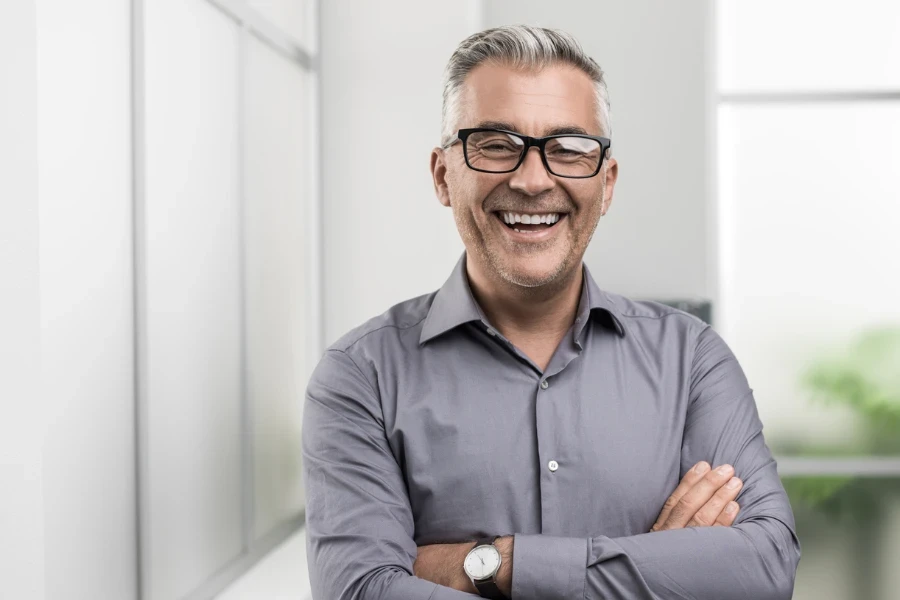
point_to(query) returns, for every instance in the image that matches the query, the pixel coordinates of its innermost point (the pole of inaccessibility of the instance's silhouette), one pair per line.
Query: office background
(200, 195)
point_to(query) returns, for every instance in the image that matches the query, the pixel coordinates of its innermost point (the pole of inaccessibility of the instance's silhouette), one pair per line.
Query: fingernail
(701, 468)
(724, 470)
(733, 483)
(731, 508)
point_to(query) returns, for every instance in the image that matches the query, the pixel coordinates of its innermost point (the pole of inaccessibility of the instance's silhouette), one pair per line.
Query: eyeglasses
(500, 151)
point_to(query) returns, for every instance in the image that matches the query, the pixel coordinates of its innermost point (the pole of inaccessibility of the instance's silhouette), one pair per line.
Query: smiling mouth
(525, 223)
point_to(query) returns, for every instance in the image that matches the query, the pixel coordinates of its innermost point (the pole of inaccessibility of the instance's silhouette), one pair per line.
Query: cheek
(587, 199)
(458, 188)
(590, 200)
(468, 193)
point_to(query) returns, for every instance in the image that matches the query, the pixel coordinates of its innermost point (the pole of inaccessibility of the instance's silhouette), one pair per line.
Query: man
(522, 433)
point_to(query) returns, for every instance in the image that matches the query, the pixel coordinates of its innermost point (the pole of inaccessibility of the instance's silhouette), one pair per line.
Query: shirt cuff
(547, 567)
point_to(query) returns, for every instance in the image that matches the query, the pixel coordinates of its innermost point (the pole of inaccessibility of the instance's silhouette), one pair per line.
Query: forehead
(536, 102)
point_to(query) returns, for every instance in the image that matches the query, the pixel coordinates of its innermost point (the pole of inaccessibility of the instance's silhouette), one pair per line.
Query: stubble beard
(489, 253)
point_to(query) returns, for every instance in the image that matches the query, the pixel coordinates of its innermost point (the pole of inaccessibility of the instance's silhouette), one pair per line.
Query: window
(809, 208)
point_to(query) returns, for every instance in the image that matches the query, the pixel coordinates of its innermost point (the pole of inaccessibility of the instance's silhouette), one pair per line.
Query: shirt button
(491, 331)
(545, 384)
(553, 466)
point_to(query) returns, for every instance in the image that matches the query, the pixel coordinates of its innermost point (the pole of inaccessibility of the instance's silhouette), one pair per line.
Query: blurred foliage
(866, 378)
(841, 499)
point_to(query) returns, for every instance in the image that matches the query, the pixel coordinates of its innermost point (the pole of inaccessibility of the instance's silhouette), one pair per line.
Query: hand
(702, 499)
(443, 564)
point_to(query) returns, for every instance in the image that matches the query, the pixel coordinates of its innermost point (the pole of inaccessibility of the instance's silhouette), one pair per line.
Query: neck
(528, 312)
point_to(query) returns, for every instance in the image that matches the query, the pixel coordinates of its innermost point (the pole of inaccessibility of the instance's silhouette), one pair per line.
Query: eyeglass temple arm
(450, 142)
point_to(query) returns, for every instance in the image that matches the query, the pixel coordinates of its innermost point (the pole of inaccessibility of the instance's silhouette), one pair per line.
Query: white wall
(386, 238)
(68, 487)
(21, 422)
(223, 303)
(191, 305)
(277, 251)
(84, 181)
(68, 464)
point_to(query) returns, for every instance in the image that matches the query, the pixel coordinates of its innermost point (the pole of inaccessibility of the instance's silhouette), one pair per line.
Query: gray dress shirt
(425, 425)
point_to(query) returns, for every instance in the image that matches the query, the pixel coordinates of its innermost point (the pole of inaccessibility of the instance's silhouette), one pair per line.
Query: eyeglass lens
(495, 151)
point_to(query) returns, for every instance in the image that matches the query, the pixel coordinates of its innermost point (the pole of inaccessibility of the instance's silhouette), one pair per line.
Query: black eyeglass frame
(532, 142)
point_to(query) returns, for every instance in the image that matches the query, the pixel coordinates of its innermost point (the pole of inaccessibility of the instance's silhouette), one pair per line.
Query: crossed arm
(700, 500)
(360, 527)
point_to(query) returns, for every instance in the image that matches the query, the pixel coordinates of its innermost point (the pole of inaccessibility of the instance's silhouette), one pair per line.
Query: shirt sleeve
(359, 523)
(754, 559)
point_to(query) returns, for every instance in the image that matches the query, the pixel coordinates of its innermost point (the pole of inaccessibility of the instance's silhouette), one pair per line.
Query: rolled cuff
(547, 567)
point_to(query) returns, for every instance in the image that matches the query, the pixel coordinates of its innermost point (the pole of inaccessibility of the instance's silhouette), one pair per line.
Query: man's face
(558, 99)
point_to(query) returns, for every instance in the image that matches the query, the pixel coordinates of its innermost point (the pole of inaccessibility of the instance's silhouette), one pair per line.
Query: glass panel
(849, 531)
(193, 496)
(809, 207)
(292, 16)
(276, 221)
(808, 45)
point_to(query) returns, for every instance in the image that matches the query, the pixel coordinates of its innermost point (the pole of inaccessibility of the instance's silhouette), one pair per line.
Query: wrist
(504, 575)
(501, 580)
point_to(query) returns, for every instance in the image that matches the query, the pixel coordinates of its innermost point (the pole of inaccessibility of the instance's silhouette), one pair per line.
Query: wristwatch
(482, 565)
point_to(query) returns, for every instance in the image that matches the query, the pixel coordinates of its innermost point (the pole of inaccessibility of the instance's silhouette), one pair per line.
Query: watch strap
(488, 588)
(486, 541)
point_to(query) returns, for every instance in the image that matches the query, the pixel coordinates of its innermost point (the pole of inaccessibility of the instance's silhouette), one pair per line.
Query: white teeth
(513, 218)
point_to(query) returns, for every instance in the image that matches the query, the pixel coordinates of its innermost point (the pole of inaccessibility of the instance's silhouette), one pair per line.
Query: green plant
(866, 378)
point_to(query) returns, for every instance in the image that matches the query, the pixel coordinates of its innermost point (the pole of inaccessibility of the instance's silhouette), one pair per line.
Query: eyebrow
(559, 130)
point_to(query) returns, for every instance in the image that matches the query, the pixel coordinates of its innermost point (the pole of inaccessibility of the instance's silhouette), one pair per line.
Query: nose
(531, 178)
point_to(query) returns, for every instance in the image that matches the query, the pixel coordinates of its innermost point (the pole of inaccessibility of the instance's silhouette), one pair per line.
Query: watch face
(482, 562)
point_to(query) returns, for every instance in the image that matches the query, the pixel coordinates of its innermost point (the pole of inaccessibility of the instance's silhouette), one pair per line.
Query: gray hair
(523, 47)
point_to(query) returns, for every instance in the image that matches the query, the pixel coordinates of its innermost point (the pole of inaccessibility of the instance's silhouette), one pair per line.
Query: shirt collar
(454, 305)
(596, 302)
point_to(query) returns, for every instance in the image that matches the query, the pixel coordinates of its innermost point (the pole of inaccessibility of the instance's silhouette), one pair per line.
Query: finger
(726, 518)
(697, 496)
(687, 482)
(709, 512)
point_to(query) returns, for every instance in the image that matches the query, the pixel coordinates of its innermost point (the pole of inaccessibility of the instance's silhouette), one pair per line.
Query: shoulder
(668, 331)
(670, 334)
(352, 362)
(400, 321)
(647, 315)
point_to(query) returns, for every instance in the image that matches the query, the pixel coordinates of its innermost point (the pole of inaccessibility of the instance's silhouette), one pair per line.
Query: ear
(611, 174)
(439, 176)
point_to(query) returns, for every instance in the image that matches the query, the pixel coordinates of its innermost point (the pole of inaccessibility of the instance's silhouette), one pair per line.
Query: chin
(524, 271)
